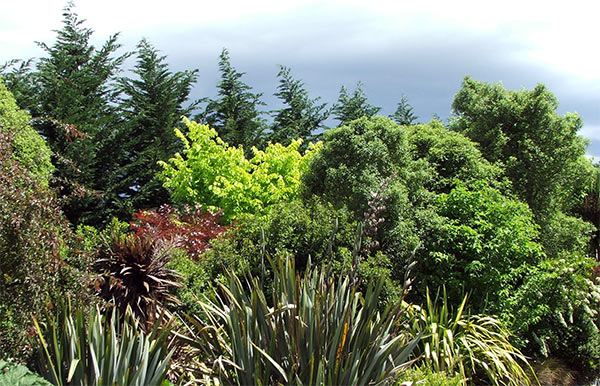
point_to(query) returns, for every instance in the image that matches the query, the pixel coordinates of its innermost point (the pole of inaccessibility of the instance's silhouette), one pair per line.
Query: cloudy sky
(422, 49)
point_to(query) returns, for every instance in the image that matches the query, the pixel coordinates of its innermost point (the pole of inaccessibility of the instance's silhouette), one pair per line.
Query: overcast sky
(420, 50)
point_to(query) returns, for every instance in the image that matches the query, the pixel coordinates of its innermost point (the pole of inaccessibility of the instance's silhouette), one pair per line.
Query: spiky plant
(101, 350)
(471, 346)
(316, 330)
(133, 273)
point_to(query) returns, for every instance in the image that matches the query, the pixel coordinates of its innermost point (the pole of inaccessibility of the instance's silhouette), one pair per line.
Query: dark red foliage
(193, 227)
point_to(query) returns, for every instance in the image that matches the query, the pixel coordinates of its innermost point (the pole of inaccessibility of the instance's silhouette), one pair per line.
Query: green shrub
(315, 330)
(484, 244)
(219, 176)
(555, 311)
(422, 376)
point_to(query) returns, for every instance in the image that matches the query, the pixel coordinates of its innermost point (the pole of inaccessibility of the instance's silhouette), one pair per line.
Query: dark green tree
(234, 114)
(351, 107)
(404, 113)
(152, 106)
(71, 99)
(301, 116)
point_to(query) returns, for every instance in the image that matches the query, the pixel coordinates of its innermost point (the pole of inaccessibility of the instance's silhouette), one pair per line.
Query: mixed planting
(146, 239)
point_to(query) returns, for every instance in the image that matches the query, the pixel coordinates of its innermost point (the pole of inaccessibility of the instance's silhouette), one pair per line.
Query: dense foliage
(38, 265)
(217, 175)
(315, 330)
(501, 205)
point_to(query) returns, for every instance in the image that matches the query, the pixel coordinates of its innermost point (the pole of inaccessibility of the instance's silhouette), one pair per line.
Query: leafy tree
(540, 150)
(404, 113)
(301, 116)
(351, 107)
(234, 115)
(216, 175)
(152, 107)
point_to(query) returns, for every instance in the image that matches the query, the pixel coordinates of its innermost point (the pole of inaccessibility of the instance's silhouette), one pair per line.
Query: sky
(421, 49)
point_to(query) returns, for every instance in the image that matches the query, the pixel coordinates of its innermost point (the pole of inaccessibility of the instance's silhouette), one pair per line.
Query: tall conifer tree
(152, 106)
(301, 116)
(351, 107)
(234, 114)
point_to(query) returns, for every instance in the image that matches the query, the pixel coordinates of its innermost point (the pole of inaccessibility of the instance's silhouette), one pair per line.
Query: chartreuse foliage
(216, 175)
(315, 330)
(29, 147)
(100, 350)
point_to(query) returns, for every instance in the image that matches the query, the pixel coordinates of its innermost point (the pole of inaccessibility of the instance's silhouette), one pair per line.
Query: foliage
(541, 152)
(192, 228)
(423, 376)
(448, 157)
(151, 107)
(216, 175)
(301, 115)
(69, 96)
(234, 115)
(134, 274)
(404, 113)
(355, 106)
(485, 244)
(12, 374)
(100, 350)
(29, 148)
(354, 160)
(555, 311)
(37, 262)
(316, 330)
(471, 346)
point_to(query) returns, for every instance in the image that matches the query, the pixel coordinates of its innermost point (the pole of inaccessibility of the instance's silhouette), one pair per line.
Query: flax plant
(316, 330)
(471, 346)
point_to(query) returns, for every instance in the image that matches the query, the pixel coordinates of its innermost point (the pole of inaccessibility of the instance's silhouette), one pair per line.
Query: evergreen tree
(234, 114)
(151, 106)
(71, 100)
(301, 115)
(351, 107)
(404, 113)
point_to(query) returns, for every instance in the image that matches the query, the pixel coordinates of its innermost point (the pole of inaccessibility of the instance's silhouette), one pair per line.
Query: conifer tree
(404, 113)
(301, 115)
(152, 106)
(234, 114)
(71, 99)
(351, 107)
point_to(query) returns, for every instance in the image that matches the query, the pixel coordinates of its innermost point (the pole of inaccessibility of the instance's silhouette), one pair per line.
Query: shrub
(484, 243)
(315, 330)
(214, 174)
(29, 148)
(192, 228)
(555, 311)
(423, 376)
(38, 260)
